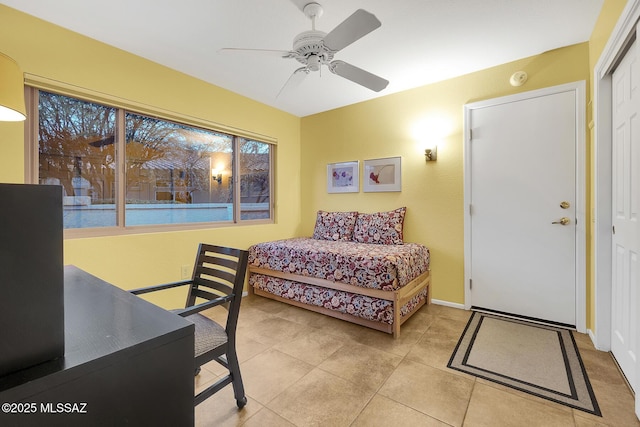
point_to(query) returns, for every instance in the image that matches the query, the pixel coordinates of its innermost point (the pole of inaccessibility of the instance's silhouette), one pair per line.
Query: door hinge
(470, 209)
(614, 229)
(470, 284)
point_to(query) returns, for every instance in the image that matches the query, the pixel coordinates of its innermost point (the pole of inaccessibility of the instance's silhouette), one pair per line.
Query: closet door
(626, 212)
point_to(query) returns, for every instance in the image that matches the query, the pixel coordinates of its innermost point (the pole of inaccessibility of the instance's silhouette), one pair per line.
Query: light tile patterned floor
(304, 369)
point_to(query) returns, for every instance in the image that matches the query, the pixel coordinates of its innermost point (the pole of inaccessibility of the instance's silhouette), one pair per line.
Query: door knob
(563, 221)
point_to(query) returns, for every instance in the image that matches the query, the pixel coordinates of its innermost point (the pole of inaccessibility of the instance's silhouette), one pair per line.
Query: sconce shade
(12, 107)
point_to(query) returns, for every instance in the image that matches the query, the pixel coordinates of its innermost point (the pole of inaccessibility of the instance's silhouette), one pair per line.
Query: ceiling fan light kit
(316, 48)
(309, 49)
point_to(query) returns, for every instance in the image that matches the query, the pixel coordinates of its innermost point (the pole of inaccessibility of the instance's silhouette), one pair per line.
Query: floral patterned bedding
(374, 309)
(386, 267)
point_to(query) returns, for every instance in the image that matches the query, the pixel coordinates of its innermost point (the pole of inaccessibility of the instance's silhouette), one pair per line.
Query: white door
(626, 212)
(522, 223)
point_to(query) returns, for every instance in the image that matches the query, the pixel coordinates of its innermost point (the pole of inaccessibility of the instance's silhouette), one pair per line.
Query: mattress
(385, 267)
(366, 307)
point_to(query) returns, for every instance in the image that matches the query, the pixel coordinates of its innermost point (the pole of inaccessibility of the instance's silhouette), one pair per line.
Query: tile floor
(304, 369)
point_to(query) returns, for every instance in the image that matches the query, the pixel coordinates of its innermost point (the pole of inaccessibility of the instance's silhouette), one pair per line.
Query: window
(254, 179)
(119, 168)
(77, 151)
(176, 173)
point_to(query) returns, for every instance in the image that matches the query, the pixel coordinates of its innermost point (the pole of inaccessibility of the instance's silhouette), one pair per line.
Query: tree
(77, 143)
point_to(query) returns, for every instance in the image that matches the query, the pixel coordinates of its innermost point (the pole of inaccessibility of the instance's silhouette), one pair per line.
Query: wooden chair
(218, 279)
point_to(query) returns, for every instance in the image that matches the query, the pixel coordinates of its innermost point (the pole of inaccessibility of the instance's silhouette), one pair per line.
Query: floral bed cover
(374, 309)
(386, 267)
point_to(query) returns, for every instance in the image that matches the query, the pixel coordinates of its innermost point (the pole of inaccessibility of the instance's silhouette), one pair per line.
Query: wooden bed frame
(398, 297)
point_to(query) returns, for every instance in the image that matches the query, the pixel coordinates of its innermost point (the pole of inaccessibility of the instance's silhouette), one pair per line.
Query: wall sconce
(217, 176)
(430, 131)
(431, 154)
(12, 107)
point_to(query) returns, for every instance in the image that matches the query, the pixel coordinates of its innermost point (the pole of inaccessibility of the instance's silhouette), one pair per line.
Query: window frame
(33, 84)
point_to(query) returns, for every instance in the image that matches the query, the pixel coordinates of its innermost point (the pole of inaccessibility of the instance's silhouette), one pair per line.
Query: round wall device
(518, 78)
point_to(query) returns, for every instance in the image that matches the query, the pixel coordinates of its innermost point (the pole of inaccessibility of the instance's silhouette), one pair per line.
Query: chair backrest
(219, 271)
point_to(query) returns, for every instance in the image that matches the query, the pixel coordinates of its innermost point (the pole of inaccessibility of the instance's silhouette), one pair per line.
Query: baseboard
(447, 303)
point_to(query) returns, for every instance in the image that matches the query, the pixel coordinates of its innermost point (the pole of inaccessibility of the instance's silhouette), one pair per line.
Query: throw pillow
(384, 228)
(334, 225)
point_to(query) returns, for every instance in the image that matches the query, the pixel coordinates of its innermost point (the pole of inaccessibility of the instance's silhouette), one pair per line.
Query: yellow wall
(379, 128)
(432, 192)
(130, 261)
(609, 14)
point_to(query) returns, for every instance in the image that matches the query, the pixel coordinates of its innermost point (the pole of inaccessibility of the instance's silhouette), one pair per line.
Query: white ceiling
(420, 41)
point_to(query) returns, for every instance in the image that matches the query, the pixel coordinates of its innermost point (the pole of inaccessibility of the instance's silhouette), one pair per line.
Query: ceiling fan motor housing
(309, 44)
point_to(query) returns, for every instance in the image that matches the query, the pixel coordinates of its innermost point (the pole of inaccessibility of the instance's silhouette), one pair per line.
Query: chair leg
(236, 378)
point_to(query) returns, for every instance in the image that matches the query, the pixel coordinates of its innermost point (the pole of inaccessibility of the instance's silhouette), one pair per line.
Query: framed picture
(343, 177)
(382, 175)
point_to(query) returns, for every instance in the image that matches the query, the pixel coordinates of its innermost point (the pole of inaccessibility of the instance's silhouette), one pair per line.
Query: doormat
(538, 359)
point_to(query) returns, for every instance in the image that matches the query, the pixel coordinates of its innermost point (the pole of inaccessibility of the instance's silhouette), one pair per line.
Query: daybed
(356, 268)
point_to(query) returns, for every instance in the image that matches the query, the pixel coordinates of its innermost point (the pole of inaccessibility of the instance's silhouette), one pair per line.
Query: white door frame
(580, 247)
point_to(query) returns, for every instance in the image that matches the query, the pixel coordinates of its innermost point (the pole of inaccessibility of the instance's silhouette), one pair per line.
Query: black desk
(127, 362)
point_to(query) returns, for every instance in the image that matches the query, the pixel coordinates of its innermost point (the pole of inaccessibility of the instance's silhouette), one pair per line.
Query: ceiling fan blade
(358, 75)
(294, 80)
(351, 29)
(269, 52)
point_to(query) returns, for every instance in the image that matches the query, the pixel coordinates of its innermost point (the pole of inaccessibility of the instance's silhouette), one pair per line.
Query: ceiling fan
(315, 48)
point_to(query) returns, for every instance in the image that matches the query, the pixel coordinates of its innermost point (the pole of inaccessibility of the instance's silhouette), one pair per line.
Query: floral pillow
(384, 228)
(335, 225)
